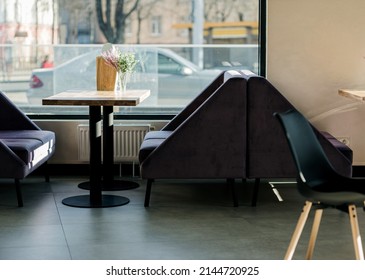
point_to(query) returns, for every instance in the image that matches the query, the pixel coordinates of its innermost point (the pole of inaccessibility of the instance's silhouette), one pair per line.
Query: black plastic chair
(319, 183)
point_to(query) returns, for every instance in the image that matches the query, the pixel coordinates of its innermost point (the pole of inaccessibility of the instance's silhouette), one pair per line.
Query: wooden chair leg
(355, 232)
(18, 193)
(298, 231)
(148, 193)
(255, 192)
(314, 233)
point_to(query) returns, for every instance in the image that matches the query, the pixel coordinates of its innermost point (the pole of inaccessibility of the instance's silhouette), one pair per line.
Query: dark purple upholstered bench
(23, 145)
(31, 146)
(251, 144)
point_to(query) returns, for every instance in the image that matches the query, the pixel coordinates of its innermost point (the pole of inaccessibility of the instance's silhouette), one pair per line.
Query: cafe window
(168, 64)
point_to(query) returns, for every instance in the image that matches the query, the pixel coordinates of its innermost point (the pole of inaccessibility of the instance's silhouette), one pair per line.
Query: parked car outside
(173, 80)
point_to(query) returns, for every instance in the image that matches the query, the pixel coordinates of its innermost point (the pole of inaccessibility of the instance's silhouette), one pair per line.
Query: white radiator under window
(127, 141)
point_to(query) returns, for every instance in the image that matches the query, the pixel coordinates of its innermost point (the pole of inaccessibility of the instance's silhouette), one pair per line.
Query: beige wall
(316, 47)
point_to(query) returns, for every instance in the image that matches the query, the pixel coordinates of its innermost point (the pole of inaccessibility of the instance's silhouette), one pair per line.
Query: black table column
(95, 155)
(96, 199)
(109, 183)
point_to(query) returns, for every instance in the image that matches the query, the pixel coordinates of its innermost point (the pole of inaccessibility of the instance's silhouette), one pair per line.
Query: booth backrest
(208, 143)
(229, 131)
(268, 154)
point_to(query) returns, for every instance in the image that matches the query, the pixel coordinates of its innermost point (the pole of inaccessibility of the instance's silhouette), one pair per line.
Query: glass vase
(121, 82)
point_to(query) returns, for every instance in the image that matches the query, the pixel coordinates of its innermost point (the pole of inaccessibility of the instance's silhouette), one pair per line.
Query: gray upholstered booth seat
(154, 138)
(31, 146)
(148, 146)
(159, 134)
(23, 145)
(206, 140)
(229, 132)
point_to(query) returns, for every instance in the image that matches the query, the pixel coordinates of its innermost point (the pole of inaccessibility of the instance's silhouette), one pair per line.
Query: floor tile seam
(17, 228)
(32, 246)
(62, 226)
(154, 227)
(127, 244)
(149, 241)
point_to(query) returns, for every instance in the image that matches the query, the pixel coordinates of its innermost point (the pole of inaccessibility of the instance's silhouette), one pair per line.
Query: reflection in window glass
(70, 35)
(167, 66)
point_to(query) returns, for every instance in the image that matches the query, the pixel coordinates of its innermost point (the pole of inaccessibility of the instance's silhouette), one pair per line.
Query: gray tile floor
(186, 220)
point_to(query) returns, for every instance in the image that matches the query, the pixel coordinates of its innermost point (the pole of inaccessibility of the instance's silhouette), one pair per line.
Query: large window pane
(169, 65)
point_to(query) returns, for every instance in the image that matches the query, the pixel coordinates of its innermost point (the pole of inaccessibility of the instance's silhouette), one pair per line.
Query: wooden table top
(353, 94)
(97, 98)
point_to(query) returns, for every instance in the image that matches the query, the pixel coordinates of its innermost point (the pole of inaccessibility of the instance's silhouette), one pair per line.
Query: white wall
(314, 48)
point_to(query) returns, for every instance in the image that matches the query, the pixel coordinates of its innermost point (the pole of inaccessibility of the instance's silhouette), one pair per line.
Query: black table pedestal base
(83, 201)
(115, 185)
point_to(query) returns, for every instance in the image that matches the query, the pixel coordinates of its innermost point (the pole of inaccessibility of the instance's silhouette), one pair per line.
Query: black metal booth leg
(255, 192)
(230, 183)
(18, 193)
(148, 193)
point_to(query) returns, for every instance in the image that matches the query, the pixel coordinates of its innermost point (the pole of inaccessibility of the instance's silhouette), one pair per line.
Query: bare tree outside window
(112, 19)
(143, 12)
(217, 11)
(221, 11)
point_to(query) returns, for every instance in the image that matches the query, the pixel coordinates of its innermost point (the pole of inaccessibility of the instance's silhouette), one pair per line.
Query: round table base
(83, 201)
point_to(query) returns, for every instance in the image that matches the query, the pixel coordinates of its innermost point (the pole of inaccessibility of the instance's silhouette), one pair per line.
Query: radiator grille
(127, 141)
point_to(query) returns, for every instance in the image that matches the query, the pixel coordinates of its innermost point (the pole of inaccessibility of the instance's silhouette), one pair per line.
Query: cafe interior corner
(313, 49)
